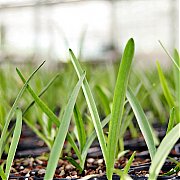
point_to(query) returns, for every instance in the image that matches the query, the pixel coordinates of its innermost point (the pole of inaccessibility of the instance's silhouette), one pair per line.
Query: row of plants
(103, 107)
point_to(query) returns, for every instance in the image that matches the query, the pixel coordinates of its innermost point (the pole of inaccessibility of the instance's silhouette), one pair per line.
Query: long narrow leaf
(177, 82)
(172, 59)
(142, 121)
(2, 174)
(62, 131)
(163, 150)
(11, 112)
(118, 105)
(165, 87)
(14, 142)
(91, 105)
(128, 165)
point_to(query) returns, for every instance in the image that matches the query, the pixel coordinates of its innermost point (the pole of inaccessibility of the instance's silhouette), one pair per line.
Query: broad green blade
(142, 122)
(62, 131)
(118, 105)
(11, 112)
(165, 87)
(80, 127)
(91, 105)
(163, 150)
(14, 142)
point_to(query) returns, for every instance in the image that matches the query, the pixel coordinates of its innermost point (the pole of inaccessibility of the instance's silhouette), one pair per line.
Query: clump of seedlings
(85, 122)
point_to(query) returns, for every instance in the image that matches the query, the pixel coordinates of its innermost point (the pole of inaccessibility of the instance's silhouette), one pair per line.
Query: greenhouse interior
(89, 89)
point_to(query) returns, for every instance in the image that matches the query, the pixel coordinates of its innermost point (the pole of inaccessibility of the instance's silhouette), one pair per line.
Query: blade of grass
(62, 131)
(177, 81)
(142, 122)
(41, 93)
(2, 174)
(128, 165)
(164, 85)
(163, 150)
(118, 105)
(171, 121)
(11, 112)
(173, 60)
(91, 105)
(80, 127)
(14, 142)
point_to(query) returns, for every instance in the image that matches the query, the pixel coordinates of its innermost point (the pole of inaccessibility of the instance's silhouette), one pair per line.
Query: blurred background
(96, 30)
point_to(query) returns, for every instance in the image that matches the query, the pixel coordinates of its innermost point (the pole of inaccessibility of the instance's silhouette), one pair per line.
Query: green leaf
(165, 87)
(118, 105)
(62, 131)
(163, 150)
(177, 82)
(2, 174)
(171, 121)
(91, 105)
(128, 165)
(11, 112)
(142, 122)
(80, 127)
(14, 142)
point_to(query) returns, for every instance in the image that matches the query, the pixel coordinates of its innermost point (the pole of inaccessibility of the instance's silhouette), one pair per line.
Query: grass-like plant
(159, 156)
(12, 110)
(14, 142)
(109, 148)
(163, 150)
(62, 131)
